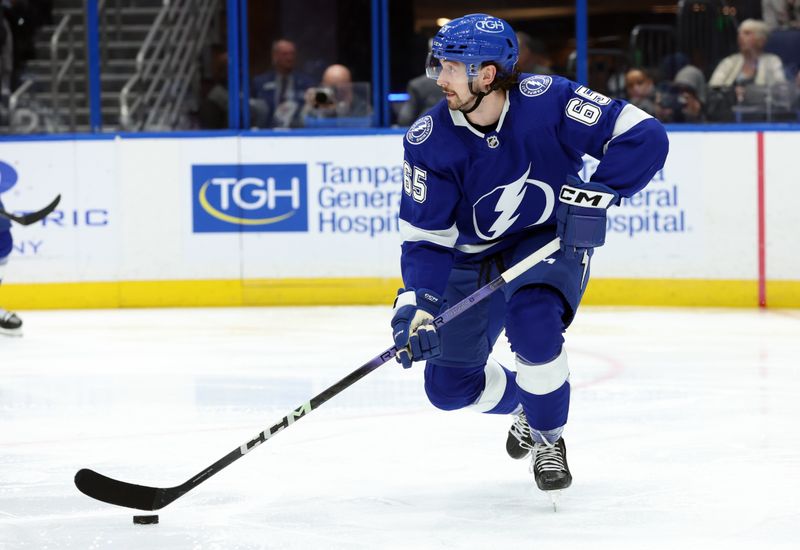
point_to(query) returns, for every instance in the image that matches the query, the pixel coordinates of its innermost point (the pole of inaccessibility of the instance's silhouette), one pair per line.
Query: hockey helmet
(474, 39)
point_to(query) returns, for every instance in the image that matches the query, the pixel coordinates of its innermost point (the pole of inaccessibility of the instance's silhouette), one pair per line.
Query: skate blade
(555, 496)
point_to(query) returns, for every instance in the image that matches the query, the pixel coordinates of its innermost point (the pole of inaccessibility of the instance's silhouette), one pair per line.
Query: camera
(671, 97)
(323, 96)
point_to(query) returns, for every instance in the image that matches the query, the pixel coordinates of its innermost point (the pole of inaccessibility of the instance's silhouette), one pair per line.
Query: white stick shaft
(523, 266)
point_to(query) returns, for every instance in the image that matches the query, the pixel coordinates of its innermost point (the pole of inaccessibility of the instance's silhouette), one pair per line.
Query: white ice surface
(684, 432)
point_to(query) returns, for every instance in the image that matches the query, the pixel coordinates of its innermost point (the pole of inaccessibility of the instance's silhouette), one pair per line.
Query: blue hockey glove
(581, 215)
(414, 335)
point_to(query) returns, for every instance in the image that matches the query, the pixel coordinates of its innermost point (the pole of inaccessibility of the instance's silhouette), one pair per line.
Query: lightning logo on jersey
(509, 205)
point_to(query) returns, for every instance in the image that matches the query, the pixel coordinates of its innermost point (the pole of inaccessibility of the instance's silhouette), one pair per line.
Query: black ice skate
(10, 324)
(549, 466)
(519, 443)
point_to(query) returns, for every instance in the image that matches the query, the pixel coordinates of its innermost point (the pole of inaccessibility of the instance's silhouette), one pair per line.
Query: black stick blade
(117, 492)
(32, 217)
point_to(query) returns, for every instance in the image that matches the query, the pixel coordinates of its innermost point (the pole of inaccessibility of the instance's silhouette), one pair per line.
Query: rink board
(283, 220)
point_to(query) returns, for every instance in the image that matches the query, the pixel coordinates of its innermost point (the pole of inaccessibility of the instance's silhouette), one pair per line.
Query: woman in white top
(751, 65)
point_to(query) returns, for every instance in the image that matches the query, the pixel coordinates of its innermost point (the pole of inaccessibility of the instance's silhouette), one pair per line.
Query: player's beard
(456, 102)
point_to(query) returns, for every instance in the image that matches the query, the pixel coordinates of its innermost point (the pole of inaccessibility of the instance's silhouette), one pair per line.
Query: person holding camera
(334, 98)
(684, 98)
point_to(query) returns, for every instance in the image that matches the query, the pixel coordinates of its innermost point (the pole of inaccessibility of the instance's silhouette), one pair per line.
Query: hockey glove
(581, 215)
(414, 335)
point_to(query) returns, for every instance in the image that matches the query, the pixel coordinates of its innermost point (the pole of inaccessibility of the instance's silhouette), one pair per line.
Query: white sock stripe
(494, 388)
(543, 378)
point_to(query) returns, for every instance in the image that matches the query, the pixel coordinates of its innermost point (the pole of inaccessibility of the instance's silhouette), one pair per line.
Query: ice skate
(519, 443)
(10, 324)
(550, 469)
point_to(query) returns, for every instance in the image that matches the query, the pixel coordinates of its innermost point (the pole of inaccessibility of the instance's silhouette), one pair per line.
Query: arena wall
(286, 219)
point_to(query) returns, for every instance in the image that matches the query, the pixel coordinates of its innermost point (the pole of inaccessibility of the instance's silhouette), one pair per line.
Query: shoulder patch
(535, 85)
(420, 130)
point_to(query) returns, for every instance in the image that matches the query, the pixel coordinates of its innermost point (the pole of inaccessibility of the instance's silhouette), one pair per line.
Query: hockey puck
(145, 520)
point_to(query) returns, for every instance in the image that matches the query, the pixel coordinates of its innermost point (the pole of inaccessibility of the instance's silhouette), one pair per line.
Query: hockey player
(10, 324)
(490, 175)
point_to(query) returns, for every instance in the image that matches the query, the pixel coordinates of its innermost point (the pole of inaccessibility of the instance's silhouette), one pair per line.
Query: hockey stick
(32, 217)
(142, 497)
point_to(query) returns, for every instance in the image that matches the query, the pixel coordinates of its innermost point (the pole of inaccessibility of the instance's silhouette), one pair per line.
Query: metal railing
(61, 68)
(165, 65)
(14, 102)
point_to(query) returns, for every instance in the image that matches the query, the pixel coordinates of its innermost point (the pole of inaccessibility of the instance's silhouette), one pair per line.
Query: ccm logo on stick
(589, 199)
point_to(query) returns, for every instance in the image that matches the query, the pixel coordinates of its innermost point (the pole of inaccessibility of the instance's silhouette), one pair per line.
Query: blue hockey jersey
(469, 194)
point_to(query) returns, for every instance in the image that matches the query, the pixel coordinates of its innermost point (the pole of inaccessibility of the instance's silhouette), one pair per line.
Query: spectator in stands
(212, 110)
(533, 56)
(751, 65)
(781, 14)
(640, 90)
(683, 99)
(423, 94)
(336, 97)
(281, 89)
(744, 81)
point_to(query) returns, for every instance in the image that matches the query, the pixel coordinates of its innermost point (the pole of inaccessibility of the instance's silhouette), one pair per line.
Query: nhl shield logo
(535, 85)
(492, 142)
(420, 130)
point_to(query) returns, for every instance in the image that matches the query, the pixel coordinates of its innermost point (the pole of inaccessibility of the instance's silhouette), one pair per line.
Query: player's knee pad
(6, 244)
(451, 388)
(535, 323)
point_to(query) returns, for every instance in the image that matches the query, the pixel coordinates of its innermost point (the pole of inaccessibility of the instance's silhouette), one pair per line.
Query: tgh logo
(249, 197)
(490, 25)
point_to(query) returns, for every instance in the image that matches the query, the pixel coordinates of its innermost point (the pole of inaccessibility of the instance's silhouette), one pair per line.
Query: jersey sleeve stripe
(442, 237)
(629, 117)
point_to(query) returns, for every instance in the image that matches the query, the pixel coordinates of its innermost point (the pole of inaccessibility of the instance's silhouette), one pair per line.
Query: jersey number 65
(414, 182)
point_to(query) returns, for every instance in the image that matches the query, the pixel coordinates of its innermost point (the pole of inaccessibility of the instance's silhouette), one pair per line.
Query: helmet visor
(433, 67)
(450, 71)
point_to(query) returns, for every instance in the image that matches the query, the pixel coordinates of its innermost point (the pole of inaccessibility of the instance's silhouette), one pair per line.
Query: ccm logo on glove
(588, 199)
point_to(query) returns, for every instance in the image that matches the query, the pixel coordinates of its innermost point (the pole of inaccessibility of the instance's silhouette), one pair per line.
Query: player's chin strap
(478, 96)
